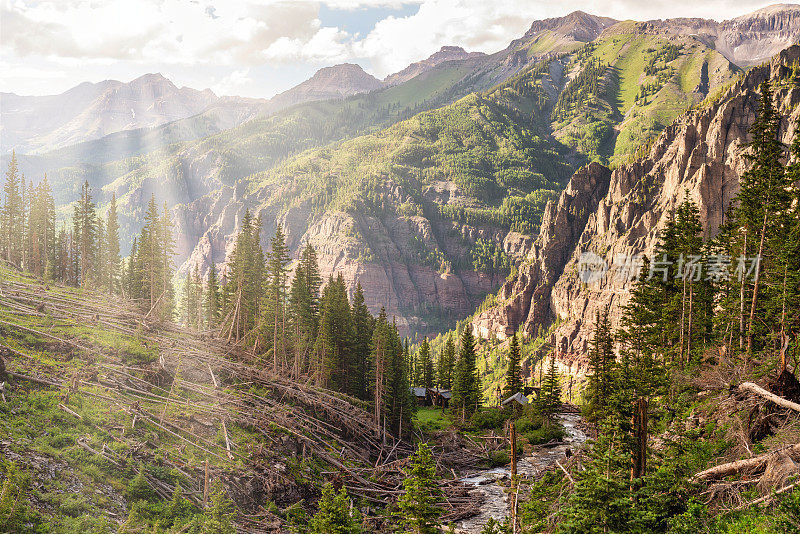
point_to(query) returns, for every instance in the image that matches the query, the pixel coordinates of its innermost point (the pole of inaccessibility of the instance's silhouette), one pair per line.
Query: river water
(488, 482)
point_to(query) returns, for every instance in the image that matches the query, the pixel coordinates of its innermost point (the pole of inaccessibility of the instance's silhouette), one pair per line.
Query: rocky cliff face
(619, 214)
(746, 40)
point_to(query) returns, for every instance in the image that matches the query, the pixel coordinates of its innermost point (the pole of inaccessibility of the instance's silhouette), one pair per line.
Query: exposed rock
(700, 155)
(446, 53)
(525, 299)
(745, 40)
(330, 82)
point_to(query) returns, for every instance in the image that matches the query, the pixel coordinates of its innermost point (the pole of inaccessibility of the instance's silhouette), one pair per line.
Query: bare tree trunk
(689, 326)
(741, 297)
(683, 317)
(755, 286)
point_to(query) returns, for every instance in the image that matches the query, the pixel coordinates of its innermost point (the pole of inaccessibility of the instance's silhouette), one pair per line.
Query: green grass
(431, 419)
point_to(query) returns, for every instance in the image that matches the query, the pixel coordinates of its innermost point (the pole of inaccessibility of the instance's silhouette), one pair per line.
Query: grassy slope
(628, 51)
(48, 433)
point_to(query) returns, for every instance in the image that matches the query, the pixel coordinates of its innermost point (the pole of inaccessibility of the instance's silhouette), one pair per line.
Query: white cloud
(221, 40)
(233, 82)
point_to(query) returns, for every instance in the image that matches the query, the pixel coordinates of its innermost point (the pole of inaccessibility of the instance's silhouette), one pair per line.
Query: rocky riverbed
(491, 483)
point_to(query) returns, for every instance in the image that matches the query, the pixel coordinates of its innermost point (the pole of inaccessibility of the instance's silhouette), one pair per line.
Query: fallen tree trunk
(761, 392)
(757, 463)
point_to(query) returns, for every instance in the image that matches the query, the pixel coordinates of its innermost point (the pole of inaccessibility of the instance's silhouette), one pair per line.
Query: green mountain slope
(629, 84)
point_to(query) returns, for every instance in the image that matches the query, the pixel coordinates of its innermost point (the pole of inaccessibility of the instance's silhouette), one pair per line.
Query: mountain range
(429, 187)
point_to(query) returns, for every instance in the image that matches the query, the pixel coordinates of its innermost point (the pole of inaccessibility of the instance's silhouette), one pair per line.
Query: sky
(258, 48)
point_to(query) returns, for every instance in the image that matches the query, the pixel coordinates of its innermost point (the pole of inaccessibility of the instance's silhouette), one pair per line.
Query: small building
(440, 397)
(421, 394)
(516, 399)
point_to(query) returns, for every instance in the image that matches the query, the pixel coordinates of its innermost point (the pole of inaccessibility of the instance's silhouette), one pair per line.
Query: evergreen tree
(335, 514)
(277, 273)
(550, 394)
(211, 304)
(363, 325)
(600, 380)
(12, 221)
(446, 363)
(389, 377)
(243, 282)
(335, 340)
(514, 371)
(425, 363)
(764, 198)
(304, 308)
(85, 232)
(111, 255)
(167, 252)
(418, 509)
(466, 384)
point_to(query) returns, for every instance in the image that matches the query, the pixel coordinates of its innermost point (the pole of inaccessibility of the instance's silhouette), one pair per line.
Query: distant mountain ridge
(338, 81)
(90, 111)
(446, 53)
(594, 89)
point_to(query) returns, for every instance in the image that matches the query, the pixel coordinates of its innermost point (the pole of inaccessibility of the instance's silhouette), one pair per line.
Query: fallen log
(761, 392)
(756, 463)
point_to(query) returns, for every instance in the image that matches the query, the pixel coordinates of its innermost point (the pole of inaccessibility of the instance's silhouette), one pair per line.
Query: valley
(552, 287)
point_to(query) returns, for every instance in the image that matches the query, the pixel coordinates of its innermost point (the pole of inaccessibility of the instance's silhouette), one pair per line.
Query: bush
(73, 505)
(498, 459)
(488, 420)
(59, 441)
(544, 434)
(139, 490)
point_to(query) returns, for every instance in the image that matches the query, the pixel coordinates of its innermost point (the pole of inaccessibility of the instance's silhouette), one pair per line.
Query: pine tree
(514, 371)
(244, 283)
(335, 514)
(550, 395)
(363, 325)
(304, 308)
(111, 248)
(418, 509)
(600, 381)
(335, 340)
(277, 273)
(466, 384)
(85, 230)
(148, 262)
(167, 251)
(763, 197)
(446, 364)
(12, 219)
(426, 364)
(211, 303)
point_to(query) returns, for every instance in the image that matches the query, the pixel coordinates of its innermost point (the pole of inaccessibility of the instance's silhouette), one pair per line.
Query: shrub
(487, 420)
(498, 458)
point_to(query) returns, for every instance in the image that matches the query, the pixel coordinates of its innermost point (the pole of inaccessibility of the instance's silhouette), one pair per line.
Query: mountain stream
(488, 482)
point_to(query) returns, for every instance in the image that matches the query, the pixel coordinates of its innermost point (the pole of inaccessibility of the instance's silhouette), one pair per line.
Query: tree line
(735, 297)
(84, 251)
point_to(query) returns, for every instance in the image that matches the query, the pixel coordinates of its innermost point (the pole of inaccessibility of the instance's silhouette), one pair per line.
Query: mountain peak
(445, 53)
(771, 10)
(337, 81)
(578, 25)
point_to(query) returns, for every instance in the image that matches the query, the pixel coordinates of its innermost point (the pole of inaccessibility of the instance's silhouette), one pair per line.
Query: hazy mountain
(446, 53)
(575, 88)
(90, 111)
(338, 81)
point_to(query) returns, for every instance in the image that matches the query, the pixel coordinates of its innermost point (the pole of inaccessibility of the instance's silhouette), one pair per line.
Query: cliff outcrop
(699, 155)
